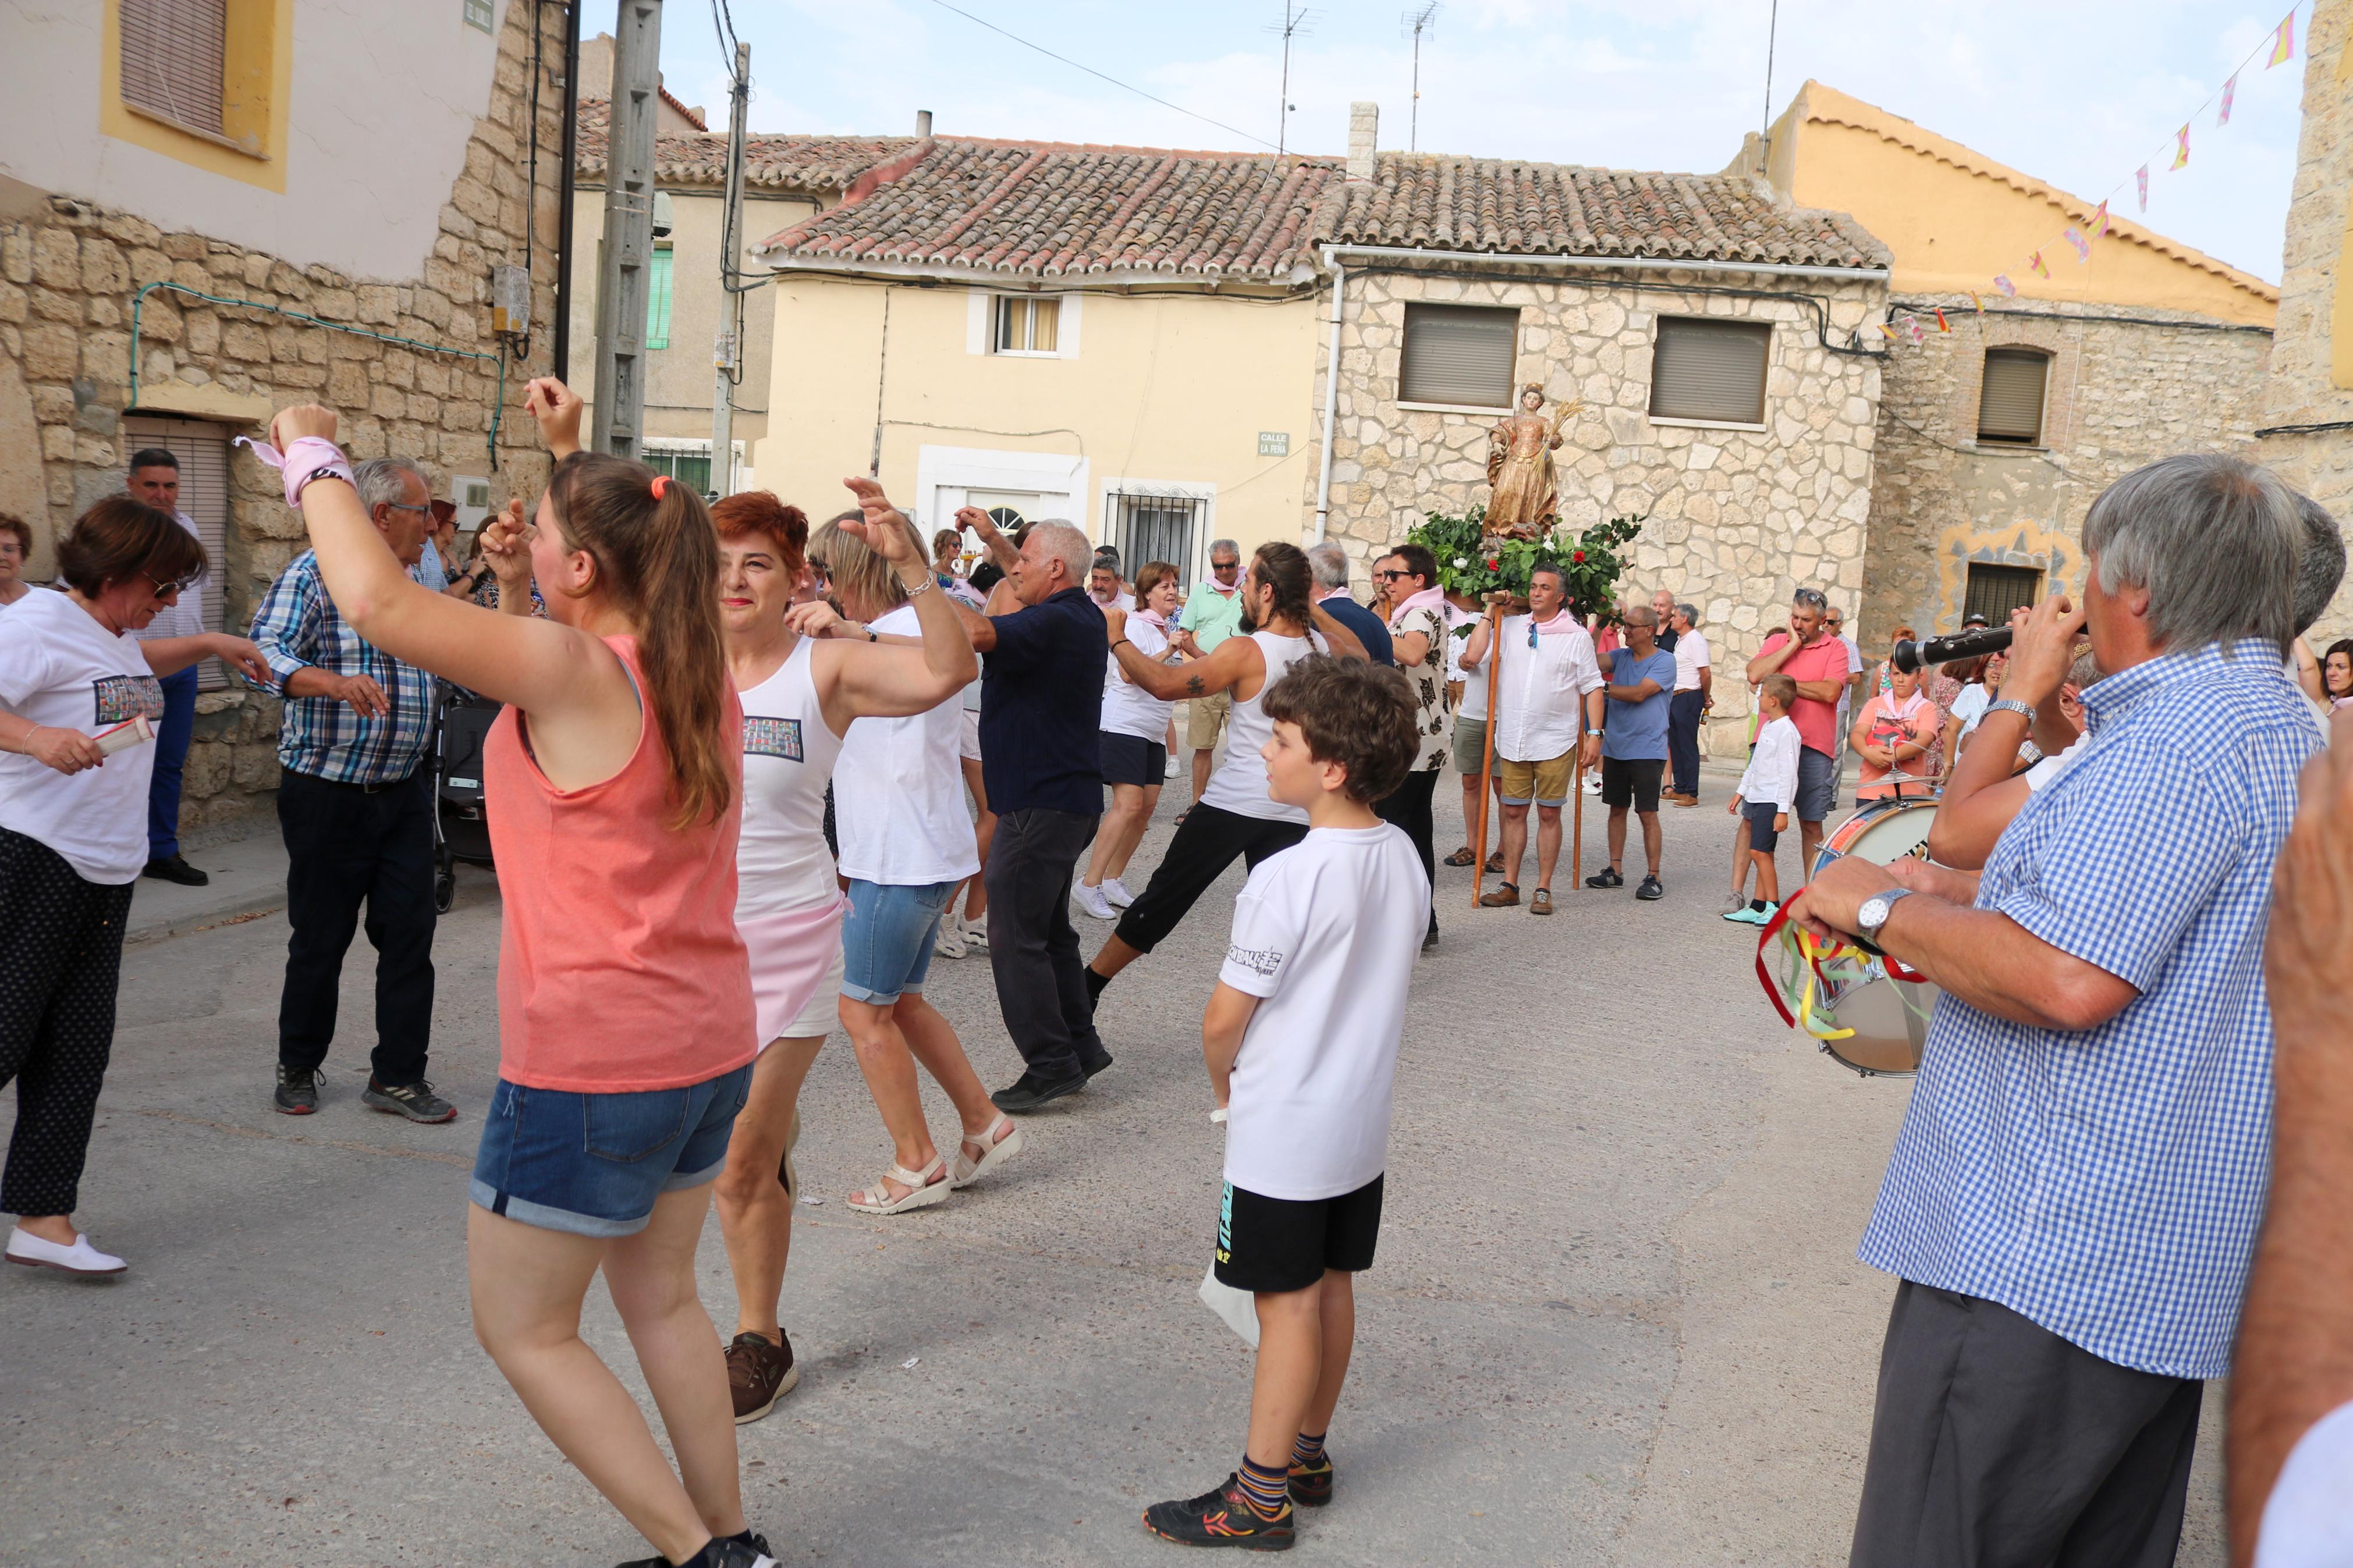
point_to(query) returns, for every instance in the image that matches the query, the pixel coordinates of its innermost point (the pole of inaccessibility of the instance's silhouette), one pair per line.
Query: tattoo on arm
(1193, 685)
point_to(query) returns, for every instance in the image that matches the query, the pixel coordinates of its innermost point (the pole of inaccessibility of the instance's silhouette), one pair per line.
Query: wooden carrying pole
(1487, 767)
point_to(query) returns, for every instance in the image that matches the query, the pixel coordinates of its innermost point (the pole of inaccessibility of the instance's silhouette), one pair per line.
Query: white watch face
(1873, 915)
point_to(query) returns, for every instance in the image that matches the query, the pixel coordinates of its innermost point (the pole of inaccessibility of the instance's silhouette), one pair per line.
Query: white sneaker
(1117, 894)
(1175, 767)
(949, 942)
(975, 935)
(1092, 900)
(81, 1257)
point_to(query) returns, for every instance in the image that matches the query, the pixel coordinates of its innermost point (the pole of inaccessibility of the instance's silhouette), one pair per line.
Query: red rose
(1578, 556)
(1493, 563)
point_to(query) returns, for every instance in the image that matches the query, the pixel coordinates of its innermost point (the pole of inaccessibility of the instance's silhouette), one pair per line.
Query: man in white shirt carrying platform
(1552, 708)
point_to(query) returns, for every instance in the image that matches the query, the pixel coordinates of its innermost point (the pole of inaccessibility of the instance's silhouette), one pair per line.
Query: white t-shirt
(1772, 775)
(1690, 657)
(1970, 705)
(781, 861)
(1456, 619)
(898, 802)
(1127, 708)
(62, 670)
(1324, 934)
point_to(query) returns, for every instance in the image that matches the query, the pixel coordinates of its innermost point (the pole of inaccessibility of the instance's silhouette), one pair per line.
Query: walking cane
(1487, 768)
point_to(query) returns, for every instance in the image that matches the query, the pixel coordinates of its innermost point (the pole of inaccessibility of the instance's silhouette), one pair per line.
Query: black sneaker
(1310, 1484)
(1221, 1518)
(298, 1091)
(1030, 1091)
(749, 1550)
(1650, 889)
(415, 1100)
(1096, 1066)
(176, 869)
(759, 1372)
(1607, 876)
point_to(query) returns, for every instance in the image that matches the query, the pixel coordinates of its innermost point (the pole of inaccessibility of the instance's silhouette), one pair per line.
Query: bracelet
(1123, 643)
(916, 590)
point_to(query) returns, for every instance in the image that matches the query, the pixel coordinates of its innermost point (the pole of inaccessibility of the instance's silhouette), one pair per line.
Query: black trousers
(1683, 710)
(1407, 806)
(1206, 842)
(1996, 1442)
(347, 846)
(1033, 949)
(60, 955)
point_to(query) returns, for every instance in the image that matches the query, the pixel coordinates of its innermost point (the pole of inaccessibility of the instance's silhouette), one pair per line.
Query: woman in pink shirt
(626, 1013)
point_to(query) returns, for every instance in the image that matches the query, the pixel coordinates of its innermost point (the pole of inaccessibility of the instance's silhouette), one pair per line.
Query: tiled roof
(1047, 210)
(1434, 202)
(770, 163)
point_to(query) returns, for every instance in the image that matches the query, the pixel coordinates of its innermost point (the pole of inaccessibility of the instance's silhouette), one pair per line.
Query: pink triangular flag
(2083, 246)
(2283, 44)
(2181, 147)
(2143, 177)
(2230, 90)
(2005, 285)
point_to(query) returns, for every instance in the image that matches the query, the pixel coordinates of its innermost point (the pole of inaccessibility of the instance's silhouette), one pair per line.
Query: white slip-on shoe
(1092, 900)
(975, 935)
(949, 942)
(1115, 893)
(81, 1257)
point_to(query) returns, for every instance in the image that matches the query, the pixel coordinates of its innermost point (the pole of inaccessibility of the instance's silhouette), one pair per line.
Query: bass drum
(1889, 1016)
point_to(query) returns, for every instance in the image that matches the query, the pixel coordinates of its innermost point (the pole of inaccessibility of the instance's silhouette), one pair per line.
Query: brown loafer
(1503, 898)
(1542, 903)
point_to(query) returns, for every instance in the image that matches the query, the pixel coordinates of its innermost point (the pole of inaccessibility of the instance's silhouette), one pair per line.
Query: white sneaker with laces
(949, 942)
(1092, 900)
(81, 1257)
(1175, 767)
(975, 935)
(1117, 894)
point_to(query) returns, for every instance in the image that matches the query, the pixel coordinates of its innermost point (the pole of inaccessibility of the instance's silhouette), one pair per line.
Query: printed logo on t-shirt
(772, 738)
(1259, 961)
(125, 697)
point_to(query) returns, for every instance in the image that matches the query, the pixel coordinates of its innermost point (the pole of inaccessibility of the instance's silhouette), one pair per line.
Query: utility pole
(625, 260)
(1418, 22)
(726, 353)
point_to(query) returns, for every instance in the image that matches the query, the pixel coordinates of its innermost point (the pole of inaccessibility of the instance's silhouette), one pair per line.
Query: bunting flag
(1942, 326)
(2181, 148)
(2100, 221)
(2009, 290)
(1887, 331)
(1978, 303)
(2230, 90)
(1912, 325)
(2083, 246)
(2035, 263)
(2143, 177)
(2284, 44)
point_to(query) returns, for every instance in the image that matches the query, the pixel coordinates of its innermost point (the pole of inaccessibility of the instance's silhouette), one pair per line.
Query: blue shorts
(1762, 835)
(886, 938)
(1817, 779)
(594, 1164)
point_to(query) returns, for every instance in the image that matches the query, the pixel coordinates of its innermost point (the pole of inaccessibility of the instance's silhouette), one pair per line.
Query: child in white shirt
(1765, 791)
(1301, 1039)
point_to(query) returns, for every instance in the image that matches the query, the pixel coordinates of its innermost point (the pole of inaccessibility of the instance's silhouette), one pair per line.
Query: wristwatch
(2007, 706)
(1876, 909)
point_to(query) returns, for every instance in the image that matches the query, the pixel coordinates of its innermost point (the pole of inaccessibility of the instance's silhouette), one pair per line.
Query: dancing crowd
(759, 774)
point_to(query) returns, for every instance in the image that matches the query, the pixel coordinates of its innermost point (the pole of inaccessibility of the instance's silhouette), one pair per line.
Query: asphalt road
(1616, 1317)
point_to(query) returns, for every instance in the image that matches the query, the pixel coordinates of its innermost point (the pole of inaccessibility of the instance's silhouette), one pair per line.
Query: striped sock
(1308, 1451)
(1267, 1491)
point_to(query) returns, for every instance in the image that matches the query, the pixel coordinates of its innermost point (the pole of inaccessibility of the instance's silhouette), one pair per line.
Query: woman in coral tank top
(626, 1013)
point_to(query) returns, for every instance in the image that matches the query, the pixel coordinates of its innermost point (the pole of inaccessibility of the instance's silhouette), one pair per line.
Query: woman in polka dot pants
(78, 700)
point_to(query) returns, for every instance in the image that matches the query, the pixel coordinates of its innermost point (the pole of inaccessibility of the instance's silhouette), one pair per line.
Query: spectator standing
(356, 804)
(1416, 635)
(1105, 585)
(1329, 561)
(16, 545)
(1461, 610)
(1817, 661)
(73, 838)
(1662, 605)
(1634, 748)
(1695, 694)
(154, 478)
(1897, 730)
(1552, 718)
(1834, 622)
(2337, 674)
(1762, 802)
(1213, 613)
(462, 579)
(1133, 763)
(1884, 679)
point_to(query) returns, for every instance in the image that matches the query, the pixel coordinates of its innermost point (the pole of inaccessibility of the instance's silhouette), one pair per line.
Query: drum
(1865, 1011)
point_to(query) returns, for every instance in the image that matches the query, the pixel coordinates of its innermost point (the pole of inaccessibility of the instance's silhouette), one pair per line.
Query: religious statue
(1526, 492)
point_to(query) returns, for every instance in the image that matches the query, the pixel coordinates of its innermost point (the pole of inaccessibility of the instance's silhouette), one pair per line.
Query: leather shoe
(1030, 1091)
(176, 869)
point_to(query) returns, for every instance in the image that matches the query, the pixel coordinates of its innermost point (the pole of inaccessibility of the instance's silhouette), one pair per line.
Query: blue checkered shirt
(297, 627)
(2107, 1183)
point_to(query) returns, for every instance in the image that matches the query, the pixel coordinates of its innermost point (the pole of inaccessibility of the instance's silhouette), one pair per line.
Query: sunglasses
(1391, 576)
(179, 586)
(1225, 565)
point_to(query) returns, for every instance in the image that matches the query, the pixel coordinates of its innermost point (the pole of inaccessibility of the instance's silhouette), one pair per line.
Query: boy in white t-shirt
(1301, 1038)
(1765, 791)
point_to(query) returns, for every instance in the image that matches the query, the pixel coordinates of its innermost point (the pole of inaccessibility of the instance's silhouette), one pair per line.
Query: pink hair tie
(662, 485)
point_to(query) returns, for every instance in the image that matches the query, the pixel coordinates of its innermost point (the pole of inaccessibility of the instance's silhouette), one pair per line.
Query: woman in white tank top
(800, 689)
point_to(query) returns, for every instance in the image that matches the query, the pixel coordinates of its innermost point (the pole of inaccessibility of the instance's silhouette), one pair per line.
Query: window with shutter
(1994, 591)
(1710, 371)
(175, 58)
(203, 452)
(1458, 355)
(2009, 403)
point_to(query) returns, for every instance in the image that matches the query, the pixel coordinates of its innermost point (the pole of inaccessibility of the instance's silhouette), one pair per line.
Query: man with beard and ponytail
(1235, 817)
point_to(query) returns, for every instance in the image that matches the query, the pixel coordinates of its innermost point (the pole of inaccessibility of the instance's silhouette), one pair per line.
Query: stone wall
(1739, 516)
(2119, 395)
(2312, 359)
(68, 272)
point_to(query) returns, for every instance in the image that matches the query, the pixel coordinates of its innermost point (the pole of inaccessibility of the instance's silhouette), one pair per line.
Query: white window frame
(980, 325)
(1053, 476)
(700, 446)
(1178, 490)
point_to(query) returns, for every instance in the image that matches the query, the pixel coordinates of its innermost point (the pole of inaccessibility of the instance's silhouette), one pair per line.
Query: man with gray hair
(1329, 562)
(2072, 1201)
(355, 803)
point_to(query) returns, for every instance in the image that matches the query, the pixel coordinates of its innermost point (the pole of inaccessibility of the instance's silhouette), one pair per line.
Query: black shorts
(1632, 780)
(1132, 760)
(1762, 835)
(1271, 1246)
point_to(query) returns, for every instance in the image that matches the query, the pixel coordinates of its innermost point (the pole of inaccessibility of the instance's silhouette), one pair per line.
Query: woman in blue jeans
(906, 844)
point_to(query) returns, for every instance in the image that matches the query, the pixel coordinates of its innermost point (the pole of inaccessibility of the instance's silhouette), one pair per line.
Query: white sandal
(1002, 1142)
(925, 1187)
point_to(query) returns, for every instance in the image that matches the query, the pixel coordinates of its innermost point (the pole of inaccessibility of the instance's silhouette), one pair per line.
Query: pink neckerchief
(1428, 599)
(1150, 618)
(1560, 625)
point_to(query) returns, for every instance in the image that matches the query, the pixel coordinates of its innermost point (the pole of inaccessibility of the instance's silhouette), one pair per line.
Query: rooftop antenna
(1420, 22)
(1295, 24)
(1772, 30)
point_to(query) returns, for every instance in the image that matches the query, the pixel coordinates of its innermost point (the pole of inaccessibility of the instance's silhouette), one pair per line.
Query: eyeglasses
(179, 586)
(1225, 565)
(1392, 576)
(398, 507)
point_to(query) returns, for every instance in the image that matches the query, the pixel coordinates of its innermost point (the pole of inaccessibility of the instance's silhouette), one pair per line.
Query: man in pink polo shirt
(1817, 661)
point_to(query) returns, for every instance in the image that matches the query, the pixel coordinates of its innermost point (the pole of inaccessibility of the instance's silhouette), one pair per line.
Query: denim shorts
(886, 938)
(1818, 778)
(594, 1164)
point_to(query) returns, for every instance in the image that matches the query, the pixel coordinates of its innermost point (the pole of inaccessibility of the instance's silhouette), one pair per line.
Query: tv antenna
(1297, 20)
(1420, 23)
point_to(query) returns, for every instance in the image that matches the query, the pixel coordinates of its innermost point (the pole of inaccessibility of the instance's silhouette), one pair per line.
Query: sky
(2078, 93)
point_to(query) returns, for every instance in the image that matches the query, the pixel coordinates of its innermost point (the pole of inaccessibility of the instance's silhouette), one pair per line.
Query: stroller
(462, 722)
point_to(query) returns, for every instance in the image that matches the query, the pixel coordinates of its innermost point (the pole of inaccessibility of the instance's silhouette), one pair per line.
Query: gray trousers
(1996, 1443)
(1033, 949)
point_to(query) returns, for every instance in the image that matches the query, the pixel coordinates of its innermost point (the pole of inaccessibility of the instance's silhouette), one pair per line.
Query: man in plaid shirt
(2072, 1202)
(355, 803)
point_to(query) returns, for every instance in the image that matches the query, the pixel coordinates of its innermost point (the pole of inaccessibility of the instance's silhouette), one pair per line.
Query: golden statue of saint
(1526, 492)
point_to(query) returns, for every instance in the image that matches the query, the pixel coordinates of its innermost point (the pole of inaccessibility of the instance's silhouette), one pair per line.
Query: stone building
(271, 247)
(2307, 412)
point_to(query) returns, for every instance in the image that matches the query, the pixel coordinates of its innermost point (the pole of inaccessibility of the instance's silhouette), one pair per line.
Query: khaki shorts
(1471, 747)
(1205, 717)
(1546, 782)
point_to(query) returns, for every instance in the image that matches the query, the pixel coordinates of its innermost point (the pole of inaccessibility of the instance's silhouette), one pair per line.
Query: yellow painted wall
(256, 94)
(1953, 228)
(1164, 388)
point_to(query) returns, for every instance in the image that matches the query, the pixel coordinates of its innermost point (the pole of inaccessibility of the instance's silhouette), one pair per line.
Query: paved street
(1616, 1317)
